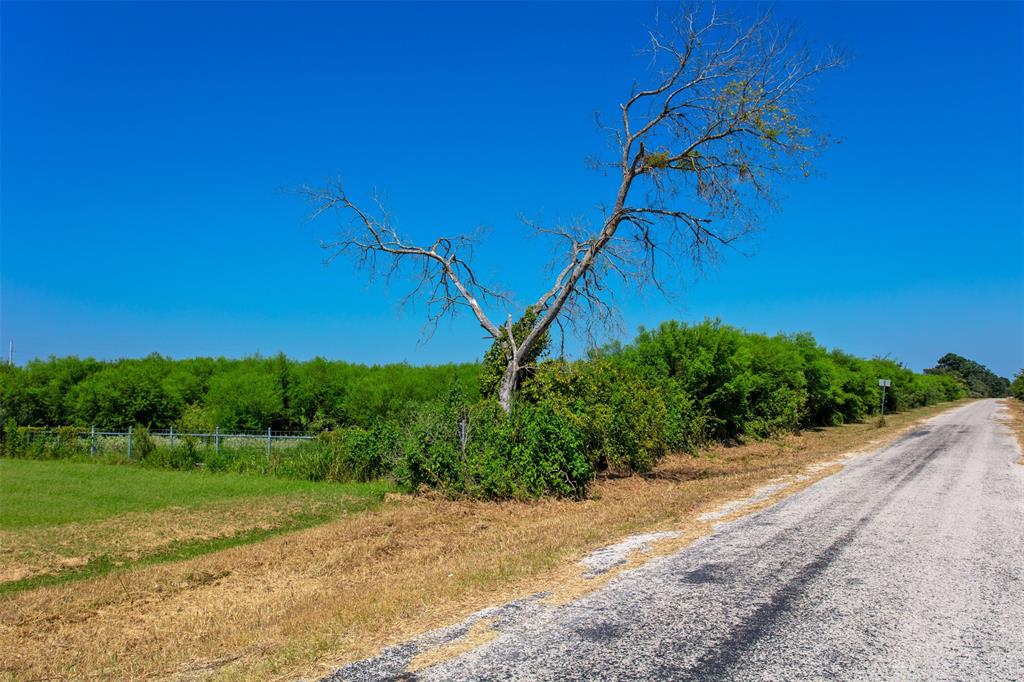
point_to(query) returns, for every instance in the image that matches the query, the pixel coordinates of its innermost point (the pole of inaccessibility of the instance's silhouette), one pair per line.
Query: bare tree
(695, 151)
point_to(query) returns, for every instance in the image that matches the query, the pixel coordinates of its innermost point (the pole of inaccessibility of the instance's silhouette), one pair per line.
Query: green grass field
(64, 520)
(50, 493)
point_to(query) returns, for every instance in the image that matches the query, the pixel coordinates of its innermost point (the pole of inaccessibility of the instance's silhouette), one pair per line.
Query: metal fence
(215, 439)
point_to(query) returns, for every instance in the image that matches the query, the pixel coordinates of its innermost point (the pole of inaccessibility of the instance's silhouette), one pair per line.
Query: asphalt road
(906, 565)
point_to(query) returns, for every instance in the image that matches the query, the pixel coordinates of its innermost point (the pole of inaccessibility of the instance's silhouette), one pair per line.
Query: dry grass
(479, 634)
(40, 550)
(305, 602)
(1015, 411)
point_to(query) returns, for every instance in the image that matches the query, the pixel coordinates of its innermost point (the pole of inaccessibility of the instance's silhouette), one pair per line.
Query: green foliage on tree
(497, 356)
(200, 393)
(132, 392)
(980, 381)
(1017, 387)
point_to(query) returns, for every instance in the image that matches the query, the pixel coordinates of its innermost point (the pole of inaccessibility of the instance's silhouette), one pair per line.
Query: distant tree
(1017, 387)
(246, 397)
(695, 152)
(981, 382)
(126, 393)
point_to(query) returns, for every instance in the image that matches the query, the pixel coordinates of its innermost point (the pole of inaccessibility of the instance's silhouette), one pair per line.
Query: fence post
(216, 439)
(172, 438)
(268, 443)
(129, 442)
(92, 441)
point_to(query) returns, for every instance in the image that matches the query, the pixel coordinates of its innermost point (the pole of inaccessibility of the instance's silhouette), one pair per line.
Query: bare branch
(440, 271)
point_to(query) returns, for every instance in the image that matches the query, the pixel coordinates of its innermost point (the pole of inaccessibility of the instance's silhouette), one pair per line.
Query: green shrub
(542, 451)
(686, 424)
(1017, 387)
(621, 417)
(433, 447)
(143, 446)
(36, 443)
(13, 442)
(356, 454)
(309, 463)
(182, 457)
(480, 451)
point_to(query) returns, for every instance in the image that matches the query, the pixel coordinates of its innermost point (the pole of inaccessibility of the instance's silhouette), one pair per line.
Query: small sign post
(884, 383)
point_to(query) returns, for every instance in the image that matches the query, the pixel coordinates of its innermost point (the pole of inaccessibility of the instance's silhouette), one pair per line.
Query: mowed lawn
(60, 520)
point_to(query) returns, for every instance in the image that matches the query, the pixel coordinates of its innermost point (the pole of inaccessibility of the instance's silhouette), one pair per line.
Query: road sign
(884, 382)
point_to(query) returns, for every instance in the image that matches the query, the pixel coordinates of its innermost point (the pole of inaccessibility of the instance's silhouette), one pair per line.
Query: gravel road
(906, 565)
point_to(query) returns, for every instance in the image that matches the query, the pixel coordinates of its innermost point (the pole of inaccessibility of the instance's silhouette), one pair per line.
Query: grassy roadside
(1015, 410)
(301, 603)
(64, 521)
(55, 492)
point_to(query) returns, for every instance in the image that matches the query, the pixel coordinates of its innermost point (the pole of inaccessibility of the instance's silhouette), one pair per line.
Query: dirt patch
(306, 602)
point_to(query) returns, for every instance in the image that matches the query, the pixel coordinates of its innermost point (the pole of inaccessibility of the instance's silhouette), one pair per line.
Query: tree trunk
(509, 383)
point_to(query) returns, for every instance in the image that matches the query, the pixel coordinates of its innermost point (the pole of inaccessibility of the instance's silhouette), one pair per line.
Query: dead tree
(695, 151)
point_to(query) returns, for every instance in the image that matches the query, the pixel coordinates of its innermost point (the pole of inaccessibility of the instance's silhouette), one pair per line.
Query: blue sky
(144, 148)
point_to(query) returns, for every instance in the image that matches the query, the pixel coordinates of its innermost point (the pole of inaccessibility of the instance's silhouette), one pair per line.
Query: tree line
(674, 388)
(978, 380)
(197, 394)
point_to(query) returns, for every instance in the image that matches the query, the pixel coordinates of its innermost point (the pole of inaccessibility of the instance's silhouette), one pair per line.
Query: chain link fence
(95, 440)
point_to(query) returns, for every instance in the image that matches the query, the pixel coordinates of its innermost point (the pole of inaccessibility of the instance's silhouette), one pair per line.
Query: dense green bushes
(675, 388)
(1017, 387)
(477, 449)
(252, 393)
(751, 385)
(61, 443)
(621, 417)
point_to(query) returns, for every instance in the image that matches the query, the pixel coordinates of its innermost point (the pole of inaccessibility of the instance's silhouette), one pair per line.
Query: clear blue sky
(144, 146)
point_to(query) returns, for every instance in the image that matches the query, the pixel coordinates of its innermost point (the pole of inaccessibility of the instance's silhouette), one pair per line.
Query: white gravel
(907, 565)
(762, 493)
(607, 558)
